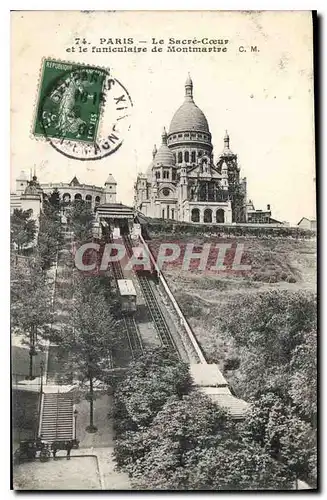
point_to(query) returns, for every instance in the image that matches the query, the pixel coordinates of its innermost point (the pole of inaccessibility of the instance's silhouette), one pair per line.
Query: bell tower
(21, 183)
(110, 189)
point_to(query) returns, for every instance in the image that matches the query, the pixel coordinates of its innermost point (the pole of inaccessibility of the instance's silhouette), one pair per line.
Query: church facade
(183, 182)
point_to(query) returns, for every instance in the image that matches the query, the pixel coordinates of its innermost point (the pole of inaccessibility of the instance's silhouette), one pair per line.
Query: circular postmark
(83, 111)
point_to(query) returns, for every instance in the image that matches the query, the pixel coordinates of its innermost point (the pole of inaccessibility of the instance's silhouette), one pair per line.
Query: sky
(263, 98)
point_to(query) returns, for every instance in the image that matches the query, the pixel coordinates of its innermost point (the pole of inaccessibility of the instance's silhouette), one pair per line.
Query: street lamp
(41, 374)
(75, 418)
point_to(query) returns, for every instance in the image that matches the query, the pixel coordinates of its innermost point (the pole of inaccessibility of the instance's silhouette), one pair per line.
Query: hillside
(277, 264)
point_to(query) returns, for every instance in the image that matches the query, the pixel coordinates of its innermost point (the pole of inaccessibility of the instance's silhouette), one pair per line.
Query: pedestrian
(54, 449)
(69, 446)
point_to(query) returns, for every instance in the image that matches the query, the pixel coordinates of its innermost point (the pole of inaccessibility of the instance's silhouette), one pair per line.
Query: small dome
(164, 156)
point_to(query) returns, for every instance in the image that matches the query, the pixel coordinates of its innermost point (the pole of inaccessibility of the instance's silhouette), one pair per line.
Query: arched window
(66, 198)
(193, 157)
(220, 215)
(195, 215)
(78, 196)
(97, 199)
(186, 156)
(207, 217)
(180, 157)
(88, 198)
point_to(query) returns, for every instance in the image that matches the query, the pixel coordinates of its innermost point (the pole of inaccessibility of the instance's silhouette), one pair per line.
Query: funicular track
(132, 331)
(153, 305)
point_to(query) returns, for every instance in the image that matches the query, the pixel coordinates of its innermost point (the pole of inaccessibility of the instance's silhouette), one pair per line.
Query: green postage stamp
(70, 101)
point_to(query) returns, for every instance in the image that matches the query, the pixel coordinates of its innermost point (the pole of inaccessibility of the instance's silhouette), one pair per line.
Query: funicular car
(127, 295)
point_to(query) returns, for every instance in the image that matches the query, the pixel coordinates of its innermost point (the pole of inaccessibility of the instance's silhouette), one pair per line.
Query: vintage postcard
(163, 251)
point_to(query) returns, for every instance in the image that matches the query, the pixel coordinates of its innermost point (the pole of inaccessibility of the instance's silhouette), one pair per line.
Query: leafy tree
(277, 428)
(23, 228)
(181, 427)
(54, 200)
(81, 218)
(31, 312)
(172, 436)
(266, 331)
(50, 235)
(92, 335)
(303, 386)
(149, 382)
(193, 445)
(237, 465)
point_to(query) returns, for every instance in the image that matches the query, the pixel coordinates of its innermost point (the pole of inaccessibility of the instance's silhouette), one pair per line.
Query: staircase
(57, 417)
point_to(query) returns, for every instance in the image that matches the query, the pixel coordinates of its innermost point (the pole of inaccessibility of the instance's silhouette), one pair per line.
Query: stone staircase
(57, 417)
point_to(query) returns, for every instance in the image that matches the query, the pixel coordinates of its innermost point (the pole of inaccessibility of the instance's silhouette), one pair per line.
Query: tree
(184, 425)
(277, 428)
(148, 383)
(50, 235)
(54, 200)
(92, 335)
(237, 465)
(81, 218)
(192, 444)
(266, 331)
(23, 228)
(31, 311)
(303, 387)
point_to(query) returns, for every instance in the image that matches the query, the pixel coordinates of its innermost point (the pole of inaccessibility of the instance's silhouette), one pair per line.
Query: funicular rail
(132, 331)
(153, 305)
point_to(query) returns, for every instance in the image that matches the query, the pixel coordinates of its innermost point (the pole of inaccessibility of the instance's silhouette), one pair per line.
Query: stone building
(69, 191)
(183, 182)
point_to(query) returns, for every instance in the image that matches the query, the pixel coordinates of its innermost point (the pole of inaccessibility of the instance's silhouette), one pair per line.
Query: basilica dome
(188, 117)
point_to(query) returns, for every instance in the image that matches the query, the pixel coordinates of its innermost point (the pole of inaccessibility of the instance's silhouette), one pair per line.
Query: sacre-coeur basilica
(183, 181)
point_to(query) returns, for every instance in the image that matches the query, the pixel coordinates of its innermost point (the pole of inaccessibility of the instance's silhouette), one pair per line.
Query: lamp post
(75, 419)
(41, 374)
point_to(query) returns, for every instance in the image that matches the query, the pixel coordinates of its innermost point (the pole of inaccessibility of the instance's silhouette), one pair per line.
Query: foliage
(91, 335)
(31, 311)
(148, 383)
(23, 228)
(93, 331)
(267, 330)
(275, 335)
(277, 428)
(54, 199)
(81, 219)
(240, 465)
(50, 235)
(303, 382)
(179, 439)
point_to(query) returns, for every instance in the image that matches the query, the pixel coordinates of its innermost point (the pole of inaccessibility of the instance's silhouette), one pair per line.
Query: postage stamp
(82, 111)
